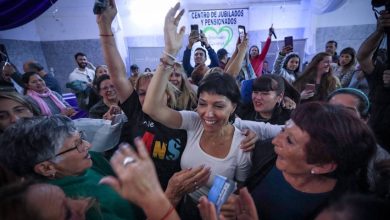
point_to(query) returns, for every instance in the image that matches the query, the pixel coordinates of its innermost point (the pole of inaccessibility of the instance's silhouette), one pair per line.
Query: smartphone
(310, 87)
(288, 41)
(195, 30)
(241, 32)
(100, 6)
(195, 27)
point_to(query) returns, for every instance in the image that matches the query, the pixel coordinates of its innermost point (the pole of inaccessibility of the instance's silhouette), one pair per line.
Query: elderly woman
(322, 152)
(49, 102)
(50, 148)
(109, 101)
(94, 96)
(14, 106)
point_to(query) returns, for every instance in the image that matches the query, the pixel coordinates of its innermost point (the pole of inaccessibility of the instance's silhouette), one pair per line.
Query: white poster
(220, 26)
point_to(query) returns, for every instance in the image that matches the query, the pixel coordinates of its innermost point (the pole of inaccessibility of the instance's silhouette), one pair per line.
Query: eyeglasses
(78, 144)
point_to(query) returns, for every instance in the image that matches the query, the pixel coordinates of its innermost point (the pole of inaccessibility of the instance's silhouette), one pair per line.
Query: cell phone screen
(194, 27)
(288, 41)
(241, 32)
(310, 87)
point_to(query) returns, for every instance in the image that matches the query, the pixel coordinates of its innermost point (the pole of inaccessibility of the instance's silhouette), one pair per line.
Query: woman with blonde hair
(317, 81)
(186, 99)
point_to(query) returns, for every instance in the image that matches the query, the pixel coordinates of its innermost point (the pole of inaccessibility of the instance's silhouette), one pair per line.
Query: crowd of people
(297, 144)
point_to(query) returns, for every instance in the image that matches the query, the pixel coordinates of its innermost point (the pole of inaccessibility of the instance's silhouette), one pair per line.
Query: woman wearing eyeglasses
(50, 148)
(108, 105)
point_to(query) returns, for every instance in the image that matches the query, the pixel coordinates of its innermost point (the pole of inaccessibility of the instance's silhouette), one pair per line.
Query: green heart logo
(222, 29)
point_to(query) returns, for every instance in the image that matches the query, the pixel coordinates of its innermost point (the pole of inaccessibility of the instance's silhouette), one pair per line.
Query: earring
(53, 175)
(312, 171)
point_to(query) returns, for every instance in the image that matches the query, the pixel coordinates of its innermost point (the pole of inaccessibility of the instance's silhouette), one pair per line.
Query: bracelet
(170, 210)
(169, 55)
(165, 63)
(106, 35)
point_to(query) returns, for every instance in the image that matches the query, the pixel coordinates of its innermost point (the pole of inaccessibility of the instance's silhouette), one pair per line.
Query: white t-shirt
(236, 165)
(262, 130)
(86, 76)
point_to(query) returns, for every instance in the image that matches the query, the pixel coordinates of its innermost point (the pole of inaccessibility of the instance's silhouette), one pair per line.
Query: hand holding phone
(310, 87)
(100, 6)
(195, 30)
(241, 32)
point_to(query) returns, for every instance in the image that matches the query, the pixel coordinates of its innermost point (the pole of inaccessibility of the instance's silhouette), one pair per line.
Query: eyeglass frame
(78, 145)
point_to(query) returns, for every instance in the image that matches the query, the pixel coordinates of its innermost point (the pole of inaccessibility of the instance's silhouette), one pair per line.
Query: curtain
(14, 13)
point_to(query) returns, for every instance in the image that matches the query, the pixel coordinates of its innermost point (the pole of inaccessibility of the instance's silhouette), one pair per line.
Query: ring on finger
(128, 160)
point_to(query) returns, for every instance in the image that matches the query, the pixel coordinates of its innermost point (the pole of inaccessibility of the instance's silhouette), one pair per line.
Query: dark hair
(336, 135)
(13, 202)
(217, 82)
(79, 54)
(253, 47)
(364, 102)
(288, 57)
(26, 76)
(352, 53)
(99, 81)
(33, 140)
(221, 53)
(382, 179)
(134, 67)
(35, 66)
(204, 51)
(332, 42)
(359, 207)
(269, 83)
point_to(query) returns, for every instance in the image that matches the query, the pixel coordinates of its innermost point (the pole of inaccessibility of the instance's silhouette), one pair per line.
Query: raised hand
(242, 46)
(173, 40)
(105, 19)
(286, 49)
(136, 180)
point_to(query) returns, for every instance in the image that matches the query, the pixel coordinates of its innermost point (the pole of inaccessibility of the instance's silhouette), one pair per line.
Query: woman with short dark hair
(322, 152)
(266, 105)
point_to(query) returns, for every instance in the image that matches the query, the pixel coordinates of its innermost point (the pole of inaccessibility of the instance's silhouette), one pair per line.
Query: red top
(257, 62)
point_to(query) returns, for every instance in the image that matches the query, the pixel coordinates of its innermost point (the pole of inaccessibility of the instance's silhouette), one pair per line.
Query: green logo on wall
(222, 29)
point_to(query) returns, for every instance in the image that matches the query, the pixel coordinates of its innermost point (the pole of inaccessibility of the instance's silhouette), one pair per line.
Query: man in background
(330, 48)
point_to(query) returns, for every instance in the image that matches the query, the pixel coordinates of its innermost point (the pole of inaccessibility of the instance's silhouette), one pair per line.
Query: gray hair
(33, 140)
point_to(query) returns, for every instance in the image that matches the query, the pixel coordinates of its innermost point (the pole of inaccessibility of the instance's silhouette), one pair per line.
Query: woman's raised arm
(114, 61)
(155, 104)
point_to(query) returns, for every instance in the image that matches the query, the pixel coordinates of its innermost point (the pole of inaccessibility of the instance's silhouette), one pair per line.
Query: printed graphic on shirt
(159, 149)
